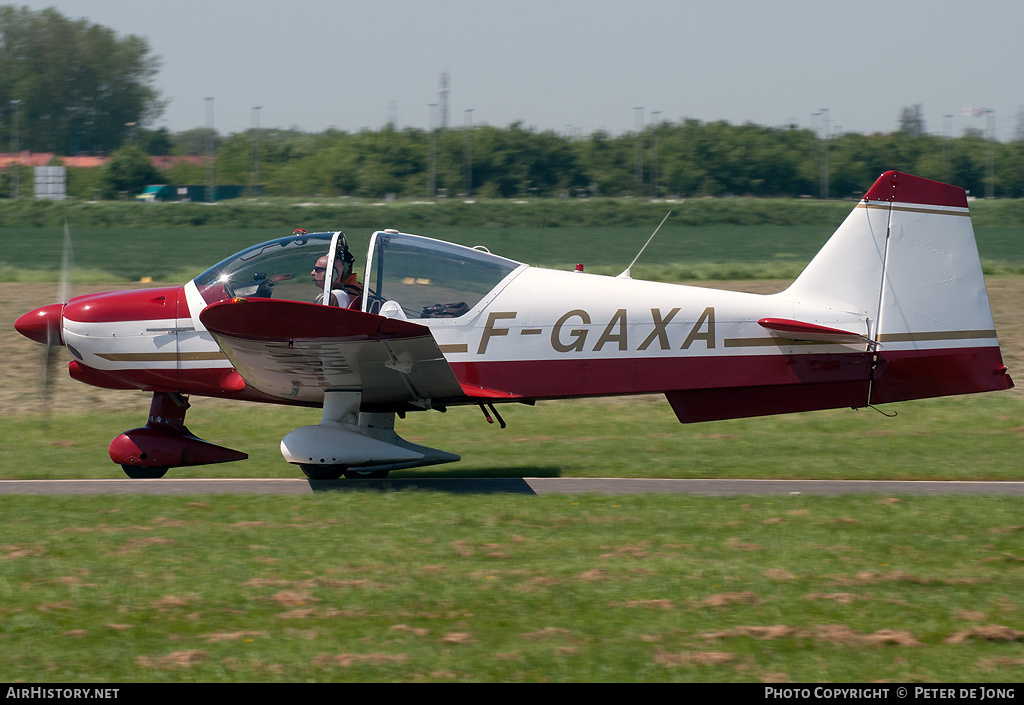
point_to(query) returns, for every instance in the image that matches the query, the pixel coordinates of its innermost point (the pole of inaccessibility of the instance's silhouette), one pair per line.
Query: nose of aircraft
(42, 325)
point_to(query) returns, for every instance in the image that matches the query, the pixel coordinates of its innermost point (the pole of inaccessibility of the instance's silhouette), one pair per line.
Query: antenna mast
(625, 274)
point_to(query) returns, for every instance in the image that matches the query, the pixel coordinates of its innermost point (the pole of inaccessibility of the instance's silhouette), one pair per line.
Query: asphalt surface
(526, 485)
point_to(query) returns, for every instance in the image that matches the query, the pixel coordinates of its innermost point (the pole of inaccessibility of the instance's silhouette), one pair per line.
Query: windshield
(429, 278)
(279, 269)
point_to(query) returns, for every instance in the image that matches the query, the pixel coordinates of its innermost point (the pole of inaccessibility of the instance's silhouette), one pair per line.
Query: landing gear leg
(353, 443)
(164, 442)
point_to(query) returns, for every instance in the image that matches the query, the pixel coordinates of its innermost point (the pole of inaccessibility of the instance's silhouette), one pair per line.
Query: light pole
(468, 186)
(824, 165)
(16, 149)
(990, 187)
(948, 128)
(209, 150)
(255, 150)
(654, 155)
(432, 169)
(638, 177)
(990, 180)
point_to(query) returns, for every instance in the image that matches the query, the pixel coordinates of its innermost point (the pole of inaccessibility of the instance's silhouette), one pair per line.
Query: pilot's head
(320, 271)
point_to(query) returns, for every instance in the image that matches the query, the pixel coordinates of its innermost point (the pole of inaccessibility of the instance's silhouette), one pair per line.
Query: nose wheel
(143, 473)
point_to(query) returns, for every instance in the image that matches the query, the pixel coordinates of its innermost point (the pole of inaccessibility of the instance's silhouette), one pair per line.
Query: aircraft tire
(366, 475)
(323, 472)
(138, 473)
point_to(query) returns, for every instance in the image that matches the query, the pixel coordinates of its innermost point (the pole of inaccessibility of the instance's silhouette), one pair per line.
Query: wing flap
(296, 351)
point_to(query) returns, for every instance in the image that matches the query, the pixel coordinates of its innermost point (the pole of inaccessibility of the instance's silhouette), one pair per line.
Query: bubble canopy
(419, 276)
(278, 269)
(429, 278)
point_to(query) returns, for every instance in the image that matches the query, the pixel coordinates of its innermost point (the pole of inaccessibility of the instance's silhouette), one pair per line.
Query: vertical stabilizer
(906, 258)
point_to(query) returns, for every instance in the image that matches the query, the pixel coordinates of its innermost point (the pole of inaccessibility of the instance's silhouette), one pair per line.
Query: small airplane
(894, 307)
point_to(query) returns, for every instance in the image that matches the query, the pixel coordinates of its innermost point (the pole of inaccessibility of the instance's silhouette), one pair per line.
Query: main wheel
(366, 474)
(141, 473)
(323, 472)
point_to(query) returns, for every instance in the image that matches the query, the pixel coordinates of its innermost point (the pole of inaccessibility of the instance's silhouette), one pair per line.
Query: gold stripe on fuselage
(163, 357)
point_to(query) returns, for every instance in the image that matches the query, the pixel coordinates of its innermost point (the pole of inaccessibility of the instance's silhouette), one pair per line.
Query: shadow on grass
(477, 473)
(461, 481)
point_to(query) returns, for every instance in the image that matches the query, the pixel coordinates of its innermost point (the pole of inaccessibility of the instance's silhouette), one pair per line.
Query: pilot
(346, 286)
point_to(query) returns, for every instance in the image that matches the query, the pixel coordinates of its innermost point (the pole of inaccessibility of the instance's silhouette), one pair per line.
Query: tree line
(685, 159)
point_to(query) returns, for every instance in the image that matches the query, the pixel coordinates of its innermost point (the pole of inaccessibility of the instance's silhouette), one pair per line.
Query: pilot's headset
(348, 260)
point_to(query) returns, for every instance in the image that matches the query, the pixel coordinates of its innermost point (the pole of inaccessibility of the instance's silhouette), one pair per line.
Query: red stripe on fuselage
(638, 375)
(219, 382)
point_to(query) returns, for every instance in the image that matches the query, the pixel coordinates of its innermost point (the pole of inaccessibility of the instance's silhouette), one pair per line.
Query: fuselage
(540, 334)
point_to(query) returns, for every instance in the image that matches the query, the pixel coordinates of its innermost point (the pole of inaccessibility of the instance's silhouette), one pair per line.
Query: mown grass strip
(957, 438)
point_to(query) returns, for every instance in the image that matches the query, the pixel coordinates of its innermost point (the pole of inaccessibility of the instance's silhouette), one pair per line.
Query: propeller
(54, 324)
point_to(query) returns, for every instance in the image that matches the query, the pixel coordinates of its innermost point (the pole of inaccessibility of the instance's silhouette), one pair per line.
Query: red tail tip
(895, 186)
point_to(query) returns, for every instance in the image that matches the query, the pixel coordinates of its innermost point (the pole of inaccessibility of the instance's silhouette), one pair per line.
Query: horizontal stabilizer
(799, 330)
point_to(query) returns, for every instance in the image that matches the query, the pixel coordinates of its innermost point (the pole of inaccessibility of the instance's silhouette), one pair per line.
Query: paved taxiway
(526, 485)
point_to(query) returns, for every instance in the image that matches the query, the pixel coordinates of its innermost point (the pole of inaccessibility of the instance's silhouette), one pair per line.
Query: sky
(577, 66)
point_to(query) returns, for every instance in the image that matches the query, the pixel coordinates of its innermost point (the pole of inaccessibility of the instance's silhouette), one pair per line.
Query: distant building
(51, 182)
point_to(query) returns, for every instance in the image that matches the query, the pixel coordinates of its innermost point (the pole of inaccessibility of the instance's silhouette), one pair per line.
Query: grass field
(424, 587)
(714, 252)
(176, 254)
(966, 438)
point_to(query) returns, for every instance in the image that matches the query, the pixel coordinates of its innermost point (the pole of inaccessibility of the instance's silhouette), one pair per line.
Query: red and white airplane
(894, 307)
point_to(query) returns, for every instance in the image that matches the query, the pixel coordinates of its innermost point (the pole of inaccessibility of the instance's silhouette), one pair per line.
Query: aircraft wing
(296, 351)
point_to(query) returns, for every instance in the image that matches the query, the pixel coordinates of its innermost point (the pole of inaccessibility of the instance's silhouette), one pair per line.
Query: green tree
(79, 86)
(128, 172)
(389, 161)
(155, 142)
(608, 163)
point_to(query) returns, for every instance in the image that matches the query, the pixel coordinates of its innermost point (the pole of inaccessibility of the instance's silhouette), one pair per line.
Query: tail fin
(906, 257)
